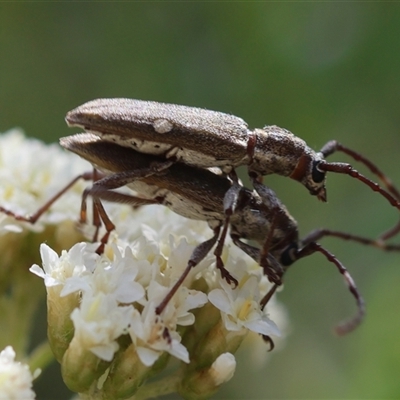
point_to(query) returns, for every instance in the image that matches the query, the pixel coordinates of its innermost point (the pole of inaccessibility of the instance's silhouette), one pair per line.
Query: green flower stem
(18, 304)
(164, 386)
(41, 357)
(167, 385)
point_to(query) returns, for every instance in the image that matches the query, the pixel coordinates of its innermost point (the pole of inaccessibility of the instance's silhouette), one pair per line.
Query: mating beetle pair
(194, 138)
(164, 151)
(199, 194)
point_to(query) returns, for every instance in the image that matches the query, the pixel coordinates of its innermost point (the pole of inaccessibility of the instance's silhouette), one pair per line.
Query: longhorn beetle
(201, 194)
(207, 139)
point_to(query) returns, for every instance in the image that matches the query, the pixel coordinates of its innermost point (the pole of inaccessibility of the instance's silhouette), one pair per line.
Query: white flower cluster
(100, 307)
(15, 377)
(30, 173)
(121, 288)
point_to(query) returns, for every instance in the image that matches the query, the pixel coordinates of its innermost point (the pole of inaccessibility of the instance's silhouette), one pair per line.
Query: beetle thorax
(277, 151)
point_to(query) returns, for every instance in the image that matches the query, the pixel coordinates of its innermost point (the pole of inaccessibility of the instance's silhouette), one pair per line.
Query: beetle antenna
(344, 168)
(333, 146)
(348, 325)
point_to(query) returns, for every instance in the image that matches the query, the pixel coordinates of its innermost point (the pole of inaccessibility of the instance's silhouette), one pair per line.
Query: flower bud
(127, 374)
(203, 383)
(81, 368)
(60, 329)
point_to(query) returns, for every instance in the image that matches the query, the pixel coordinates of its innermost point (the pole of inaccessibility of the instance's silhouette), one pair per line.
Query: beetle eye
(317, 175)
(288, 256)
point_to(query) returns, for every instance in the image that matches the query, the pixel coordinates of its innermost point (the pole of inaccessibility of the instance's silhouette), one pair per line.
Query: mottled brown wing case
(216, 134)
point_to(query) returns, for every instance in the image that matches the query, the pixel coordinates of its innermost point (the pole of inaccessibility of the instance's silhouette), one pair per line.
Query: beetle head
(308, 173)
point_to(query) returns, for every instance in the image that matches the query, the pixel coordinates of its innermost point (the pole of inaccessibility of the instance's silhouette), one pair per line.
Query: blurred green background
(322, 70)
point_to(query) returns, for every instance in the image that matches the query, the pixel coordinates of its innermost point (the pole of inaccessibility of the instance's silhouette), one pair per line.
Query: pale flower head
(15, 377)
(30, 173)
(102, 308)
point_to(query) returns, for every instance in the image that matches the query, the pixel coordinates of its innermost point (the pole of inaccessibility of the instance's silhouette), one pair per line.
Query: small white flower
(178, 260)
(15, 377)
(116, 278)
(240, 307)
(151, 337)
(177, 310)
(7, 225)
(99, 322)
(56, 270)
